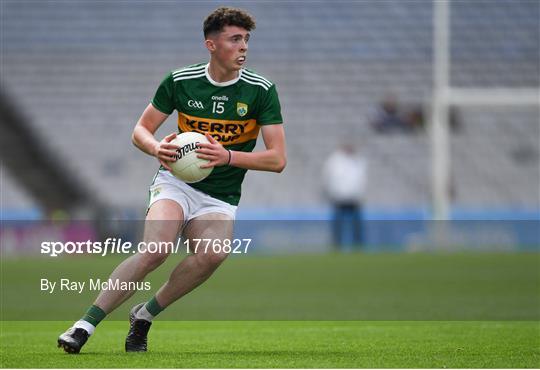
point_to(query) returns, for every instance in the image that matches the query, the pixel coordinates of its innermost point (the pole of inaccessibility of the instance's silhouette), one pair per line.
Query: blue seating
(84, 71)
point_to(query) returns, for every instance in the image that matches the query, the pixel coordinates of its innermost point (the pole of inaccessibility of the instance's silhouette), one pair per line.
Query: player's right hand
(165, 152)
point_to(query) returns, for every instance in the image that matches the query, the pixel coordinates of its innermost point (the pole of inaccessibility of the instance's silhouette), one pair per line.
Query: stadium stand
(83, 72)
(37, 167)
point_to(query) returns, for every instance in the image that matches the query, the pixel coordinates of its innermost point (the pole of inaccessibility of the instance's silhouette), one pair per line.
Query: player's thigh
(163, 221)
(213, 228)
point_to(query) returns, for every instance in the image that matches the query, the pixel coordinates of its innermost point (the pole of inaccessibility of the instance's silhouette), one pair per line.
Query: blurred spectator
(344, 179)
(386, 117)
(389, 117)
(455, 120)
(414, 119)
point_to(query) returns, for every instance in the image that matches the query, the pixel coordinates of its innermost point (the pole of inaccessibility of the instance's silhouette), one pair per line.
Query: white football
(187, 166)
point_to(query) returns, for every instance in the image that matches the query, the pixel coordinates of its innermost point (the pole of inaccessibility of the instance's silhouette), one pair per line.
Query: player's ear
(210, 45)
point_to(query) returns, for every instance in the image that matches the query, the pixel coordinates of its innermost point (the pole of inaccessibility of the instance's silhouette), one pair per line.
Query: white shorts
(194, 203)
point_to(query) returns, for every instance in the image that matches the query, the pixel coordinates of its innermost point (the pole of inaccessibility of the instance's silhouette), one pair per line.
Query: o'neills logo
(186, 149)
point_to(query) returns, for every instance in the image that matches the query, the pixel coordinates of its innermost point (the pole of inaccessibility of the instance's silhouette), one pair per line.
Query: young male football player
(228, 103)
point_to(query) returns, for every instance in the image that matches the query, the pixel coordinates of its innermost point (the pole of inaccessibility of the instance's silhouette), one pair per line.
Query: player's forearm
(144, 140)
(266, 160)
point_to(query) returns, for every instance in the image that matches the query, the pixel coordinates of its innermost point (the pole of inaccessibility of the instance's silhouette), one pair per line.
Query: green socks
(153, 306)
(150, 310)
(94, 315)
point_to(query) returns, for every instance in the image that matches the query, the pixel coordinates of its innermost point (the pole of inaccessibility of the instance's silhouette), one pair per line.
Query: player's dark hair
(226, 16)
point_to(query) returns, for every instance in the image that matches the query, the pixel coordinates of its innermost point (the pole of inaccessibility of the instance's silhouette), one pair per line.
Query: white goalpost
(444, 96)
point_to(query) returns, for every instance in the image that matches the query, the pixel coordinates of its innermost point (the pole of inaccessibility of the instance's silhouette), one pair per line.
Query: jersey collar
(221, 84)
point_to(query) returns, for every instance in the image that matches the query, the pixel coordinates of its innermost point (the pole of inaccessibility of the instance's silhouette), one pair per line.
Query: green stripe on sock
(153, 307)
(94, 315)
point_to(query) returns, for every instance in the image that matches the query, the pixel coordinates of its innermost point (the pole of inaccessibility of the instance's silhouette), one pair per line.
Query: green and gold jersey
(232, 112)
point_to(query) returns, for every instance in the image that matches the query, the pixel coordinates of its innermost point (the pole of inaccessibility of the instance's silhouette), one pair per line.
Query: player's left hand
(214, 152)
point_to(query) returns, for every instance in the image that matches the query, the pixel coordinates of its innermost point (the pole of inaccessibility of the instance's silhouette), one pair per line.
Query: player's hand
(214, 152)
(165, 152)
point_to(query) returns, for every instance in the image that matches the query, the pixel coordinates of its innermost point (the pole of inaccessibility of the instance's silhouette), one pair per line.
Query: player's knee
(150, 261)
(212, 259)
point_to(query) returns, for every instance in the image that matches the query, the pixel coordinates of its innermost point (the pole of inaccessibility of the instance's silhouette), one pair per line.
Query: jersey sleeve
(270, 113)
(164, 98)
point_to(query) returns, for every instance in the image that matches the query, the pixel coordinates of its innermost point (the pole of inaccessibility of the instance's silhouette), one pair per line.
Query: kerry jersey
(232, 112)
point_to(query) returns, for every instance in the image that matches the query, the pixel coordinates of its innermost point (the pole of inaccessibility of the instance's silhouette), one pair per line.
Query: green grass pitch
(284, 344)
(331, 311)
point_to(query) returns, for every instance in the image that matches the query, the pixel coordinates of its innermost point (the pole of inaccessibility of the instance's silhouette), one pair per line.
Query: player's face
(229, 47)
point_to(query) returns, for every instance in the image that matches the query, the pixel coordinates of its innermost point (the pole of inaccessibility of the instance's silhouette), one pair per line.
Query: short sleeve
(164, 98)
(270, 112)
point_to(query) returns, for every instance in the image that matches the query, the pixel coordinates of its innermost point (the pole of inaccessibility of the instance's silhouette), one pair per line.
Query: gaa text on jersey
(195, 104)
